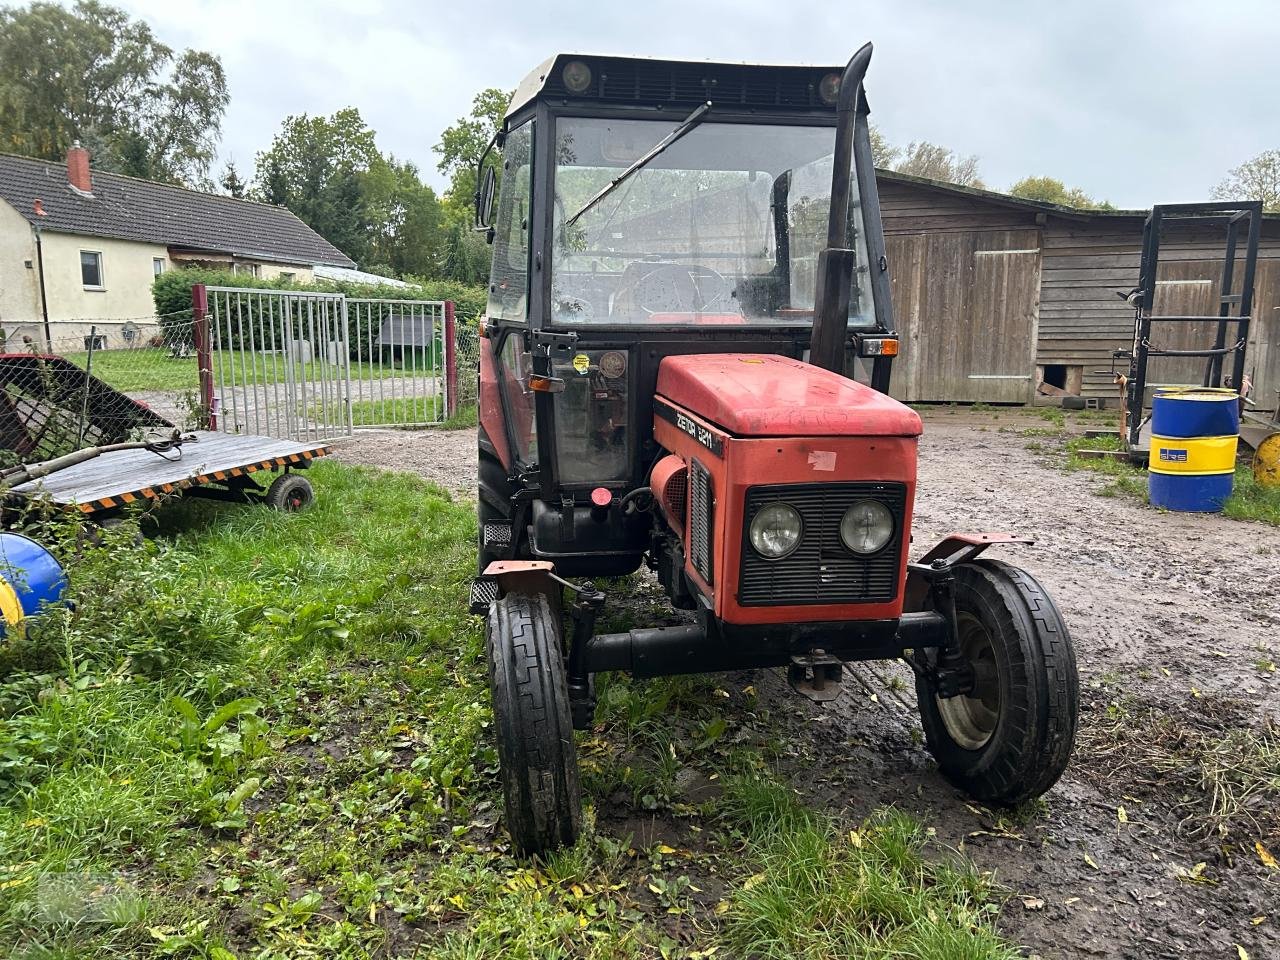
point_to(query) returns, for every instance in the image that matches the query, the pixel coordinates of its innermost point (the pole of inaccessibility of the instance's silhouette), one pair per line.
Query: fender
(952, 549)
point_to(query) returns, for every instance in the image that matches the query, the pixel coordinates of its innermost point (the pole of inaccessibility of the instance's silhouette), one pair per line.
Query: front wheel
(1010, 737)
(539, 767)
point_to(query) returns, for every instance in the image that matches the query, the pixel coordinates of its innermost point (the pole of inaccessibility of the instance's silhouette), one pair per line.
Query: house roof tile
(127, 208)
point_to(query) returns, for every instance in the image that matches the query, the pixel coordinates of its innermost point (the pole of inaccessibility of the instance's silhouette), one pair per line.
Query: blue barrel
(30, 578)
(1194, 431)
(1195, 412)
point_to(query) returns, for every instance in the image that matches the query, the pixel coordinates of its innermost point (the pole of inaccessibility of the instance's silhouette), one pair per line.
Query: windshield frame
(544, 214)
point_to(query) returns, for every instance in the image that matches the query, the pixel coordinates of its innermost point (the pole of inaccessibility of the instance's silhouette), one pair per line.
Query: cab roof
(652, 81)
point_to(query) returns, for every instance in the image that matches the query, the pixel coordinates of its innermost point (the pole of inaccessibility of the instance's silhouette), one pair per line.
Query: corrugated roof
(130, 209)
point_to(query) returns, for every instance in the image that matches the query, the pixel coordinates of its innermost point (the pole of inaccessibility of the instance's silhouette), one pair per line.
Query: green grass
(148, 368)
(1248, 501)
(268, 735)
(873, 891)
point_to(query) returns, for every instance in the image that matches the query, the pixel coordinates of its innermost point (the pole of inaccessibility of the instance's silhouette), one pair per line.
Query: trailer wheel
(1009, 739)
(535, 733)
(289, 493)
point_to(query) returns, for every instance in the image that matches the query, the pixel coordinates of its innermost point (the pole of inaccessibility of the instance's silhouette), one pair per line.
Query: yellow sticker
(582, 363)
(750, 360)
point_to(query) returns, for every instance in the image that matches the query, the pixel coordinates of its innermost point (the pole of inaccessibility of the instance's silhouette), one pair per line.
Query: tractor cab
(684, 366)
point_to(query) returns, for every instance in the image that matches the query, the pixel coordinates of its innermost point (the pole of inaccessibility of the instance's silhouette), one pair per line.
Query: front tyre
(1010, 738)
(539, 768)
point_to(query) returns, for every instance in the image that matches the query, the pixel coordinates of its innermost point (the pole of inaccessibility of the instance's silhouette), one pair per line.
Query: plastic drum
(30, 578)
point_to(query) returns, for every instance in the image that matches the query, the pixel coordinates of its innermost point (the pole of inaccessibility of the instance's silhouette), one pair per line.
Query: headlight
(775, 530)
(829, 89)
(866, 526)
(576, 76)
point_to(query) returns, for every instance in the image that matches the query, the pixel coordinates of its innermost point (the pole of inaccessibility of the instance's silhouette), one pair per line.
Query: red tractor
(684, 366)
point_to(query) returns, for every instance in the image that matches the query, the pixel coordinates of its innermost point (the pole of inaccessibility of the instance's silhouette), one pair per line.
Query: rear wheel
(539, 767)
(1009, 738)
(290, 493)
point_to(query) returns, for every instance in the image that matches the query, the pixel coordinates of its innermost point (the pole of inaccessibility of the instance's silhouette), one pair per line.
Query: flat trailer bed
(208, 464)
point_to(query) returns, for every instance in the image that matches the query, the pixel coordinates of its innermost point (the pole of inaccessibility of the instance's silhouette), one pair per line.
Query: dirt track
(1171, 615)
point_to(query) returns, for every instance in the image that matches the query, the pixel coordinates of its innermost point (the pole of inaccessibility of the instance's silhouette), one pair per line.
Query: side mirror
(485, 194)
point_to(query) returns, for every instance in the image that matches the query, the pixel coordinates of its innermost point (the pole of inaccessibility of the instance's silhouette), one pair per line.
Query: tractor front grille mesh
(822, 569)
(701, 520)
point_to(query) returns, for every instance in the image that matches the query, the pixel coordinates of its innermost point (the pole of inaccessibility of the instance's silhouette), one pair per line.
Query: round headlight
(866, 526)
(576, 76)
(829, 88)
(775, 530)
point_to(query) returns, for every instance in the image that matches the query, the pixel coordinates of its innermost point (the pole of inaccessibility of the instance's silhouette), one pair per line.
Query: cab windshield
(724, 227)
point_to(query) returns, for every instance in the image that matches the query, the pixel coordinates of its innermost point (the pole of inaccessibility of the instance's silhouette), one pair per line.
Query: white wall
(19, 286)
(127, 272)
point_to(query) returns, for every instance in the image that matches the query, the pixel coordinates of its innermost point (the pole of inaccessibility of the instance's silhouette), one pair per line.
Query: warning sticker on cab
(582, 363)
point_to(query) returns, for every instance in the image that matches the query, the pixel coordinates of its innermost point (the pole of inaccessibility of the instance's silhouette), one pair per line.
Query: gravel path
(1175, 611)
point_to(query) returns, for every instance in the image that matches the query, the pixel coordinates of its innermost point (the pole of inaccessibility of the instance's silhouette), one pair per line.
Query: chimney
(78, 174)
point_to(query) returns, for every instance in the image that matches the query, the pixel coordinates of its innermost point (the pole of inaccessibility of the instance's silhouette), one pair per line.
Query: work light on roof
(829, 88)
(576, 76)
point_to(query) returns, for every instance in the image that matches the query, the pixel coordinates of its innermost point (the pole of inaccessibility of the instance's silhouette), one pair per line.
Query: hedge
(171, 292)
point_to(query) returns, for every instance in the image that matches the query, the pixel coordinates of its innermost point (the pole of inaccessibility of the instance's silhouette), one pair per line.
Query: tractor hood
(765, 395)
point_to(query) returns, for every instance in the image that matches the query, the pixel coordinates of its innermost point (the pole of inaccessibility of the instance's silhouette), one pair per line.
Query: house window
(248, 269)
(91, 269)
(286, 275)
(157, 265)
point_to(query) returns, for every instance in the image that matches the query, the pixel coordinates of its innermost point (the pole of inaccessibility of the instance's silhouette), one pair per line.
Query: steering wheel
(666, 287)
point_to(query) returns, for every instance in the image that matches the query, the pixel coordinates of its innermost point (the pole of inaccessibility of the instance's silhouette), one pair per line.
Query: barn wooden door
(966, 303)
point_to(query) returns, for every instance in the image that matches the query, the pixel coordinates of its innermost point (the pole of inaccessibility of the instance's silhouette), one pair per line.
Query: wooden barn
(994, 295)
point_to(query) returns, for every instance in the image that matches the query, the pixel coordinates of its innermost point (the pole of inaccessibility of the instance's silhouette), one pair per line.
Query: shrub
(171, 292)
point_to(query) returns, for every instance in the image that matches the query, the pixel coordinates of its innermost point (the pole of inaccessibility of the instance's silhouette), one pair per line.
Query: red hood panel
(764, 395)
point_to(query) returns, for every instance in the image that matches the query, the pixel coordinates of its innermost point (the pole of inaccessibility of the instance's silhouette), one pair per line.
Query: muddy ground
(1175, 618)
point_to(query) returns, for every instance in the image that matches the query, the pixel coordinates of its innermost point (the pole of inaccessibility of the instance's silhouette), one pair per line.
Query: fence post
(450, 361)
(204, 351)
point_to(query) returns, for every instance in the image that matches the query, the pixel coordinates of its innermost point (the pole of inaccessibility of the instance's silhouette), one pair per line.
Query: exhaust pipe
(834, 278)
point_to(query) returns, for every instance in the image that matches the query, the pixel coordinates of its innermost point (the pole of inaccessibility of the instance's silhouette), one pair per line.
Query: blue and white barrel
(30, 578)
(1194, 432)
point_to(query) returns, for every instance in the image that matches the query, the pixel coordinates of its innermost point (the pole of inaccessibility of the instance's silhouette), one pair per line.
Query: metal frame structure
(1237, 218)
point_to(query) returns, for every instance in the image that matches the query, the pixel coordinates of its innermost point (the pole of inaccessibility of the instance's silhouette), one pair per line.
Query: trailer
(204, 463)
(80, 444)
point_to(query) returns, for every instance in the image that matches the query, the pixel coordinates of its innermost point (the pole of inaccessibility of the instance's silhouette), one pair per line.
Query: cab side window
(516, 365)
(509, 282)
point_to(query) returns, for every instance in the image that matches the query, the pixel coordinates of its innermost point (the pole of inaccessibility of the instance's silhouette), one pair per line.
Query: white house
(80, 247)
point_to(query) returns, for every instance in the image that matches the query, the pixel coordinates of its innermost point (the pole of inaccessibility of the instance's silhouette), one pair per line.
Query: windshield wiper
(689, 123)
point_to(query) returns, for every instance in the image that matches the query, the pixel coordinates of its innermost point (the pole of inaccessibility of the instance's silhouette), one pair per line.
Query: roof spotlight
(829, 89)
(576, 76)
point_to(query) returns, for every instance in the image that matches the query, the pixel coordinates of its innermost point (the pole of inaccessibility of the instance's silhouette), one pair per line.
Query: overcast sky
(1135, 102)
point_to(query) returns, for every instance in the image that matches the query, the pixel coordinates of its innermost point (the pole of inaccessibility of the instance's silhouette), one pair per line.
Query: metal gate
(312, 366)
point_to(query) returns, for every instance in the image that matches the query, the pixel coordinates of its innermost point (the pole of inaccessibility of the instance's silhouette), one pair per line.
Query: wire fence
(90, 388)
(98, 382)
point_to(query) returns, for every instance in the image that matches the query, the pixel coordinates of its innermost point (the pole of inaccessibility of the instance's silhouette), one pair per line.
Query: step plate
(497, 537)
(484, 591)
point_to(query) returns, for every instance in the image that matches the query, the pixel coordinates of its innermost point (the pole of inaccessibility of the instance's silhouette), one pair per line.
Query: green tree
(883, 154)
(91, 73)
(231, 182)
(1052, 190)
(462, 144)
(375, 209)
(313, 167)
(1256, 179)
(934, 162)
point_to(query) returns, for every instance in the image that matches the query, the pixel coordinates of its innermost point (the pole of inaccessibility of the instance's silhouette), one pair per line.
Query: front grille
(702, 505)
(822, 569)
